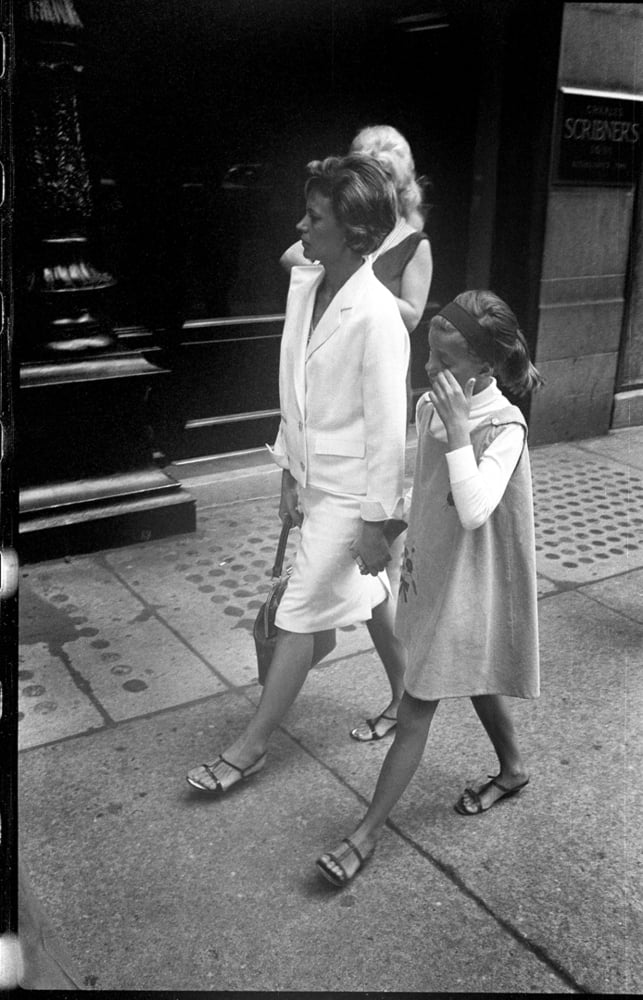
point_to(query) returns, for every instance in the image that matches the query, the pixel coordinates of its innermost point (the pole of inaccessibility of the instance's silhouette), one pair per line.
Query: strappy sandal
(338, 858)
(222, 785)
(477, 796)
(373, 734)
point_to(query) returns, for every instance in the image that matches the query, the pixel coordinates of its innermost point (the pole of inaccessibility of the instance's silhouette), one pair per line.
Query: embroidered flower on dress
(406, 578)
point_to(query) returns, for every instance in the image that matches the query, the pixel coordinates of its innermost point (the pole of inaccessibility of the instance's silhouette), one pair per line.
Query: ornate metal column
(87, 471)
(67, 294)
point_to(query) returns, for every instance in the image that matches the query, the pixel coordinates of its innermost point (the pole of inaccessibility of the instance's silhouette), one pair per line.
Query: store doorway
(202, 118)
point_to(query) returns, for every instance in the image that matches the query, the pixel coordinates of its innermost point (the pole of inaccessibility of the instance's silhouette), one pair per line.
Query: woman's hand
(293, 257)
(370, 550)
(289, 503)
(453, 407)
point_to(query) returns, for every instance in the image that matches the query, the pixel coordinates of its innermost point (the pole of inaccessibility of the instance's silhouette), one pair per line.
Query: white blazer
(343, 394)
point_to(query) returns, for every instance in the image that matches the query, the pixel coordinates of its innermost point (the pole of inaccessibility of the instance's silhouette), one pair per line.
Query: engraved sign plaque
(598, 137)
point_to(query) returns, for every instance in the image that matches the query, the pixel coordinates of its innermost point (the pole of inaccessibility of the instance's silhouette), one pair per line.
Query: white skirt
(326, 590)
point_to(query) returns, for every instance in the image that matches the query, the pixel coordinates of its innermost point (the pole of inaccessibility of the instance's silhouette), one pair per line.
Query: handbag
(265, 630)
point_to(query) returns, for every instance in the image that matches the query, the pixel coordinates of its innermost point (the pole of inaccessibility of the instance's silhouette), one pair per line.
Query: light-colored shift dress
(467, 608)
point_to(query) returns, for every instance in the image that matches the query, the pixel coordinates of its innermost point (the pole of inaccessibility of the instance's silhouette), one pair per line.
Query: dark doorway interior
(199, 118)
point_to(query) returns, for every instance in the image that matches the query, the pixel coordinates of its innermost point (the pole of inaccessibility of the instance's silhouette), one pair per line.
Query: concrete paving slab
(623, 593)
(624, 445)
(115, 658)
(545, 587)
(52, 705)
(588, 513)
(225, 487)
(223, 895)
(210, 584)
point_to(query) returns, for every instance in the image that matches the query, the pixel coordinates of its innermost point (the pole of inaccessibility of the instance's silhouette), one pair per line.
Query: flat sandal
(372, 724)
(220, 788)
(338, 857)
(477, 796)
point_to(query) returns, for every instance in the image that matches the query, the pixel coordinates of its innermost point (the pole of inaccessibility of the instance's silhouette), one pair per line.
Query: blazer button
(301, 426)
(303, 467)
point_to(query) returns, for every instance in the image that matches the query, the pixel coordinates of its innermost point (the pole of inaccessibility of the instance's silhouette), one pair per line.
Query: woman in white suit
(404, 265)
(342, 386)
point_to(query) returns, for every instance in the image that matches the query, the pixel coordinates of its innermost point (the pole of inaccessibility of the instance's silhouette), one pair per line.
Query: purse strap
(286, 525)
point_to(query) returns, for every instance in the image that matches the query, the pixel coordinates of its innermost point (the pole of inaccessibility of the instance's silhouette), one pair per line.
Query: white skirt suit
(342, 436)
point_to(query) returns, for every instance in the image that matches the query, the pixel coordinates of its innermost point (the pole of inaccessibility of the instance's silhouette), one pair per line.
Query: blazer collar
(340, 304)
(304, 282)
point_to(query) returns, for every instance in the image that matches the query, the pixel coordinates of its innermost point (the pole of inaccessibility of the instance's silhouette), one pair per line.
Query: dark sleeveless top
(389, 268)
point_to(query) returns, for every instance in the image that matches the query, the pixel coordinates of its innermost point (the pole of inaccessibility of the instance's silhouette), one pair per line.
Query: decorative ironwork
(67, 292)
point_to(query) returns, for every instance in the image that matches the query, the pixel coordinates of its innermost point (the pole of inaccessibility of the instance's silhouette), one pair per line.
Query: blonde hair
(511, 364)
(390, 148)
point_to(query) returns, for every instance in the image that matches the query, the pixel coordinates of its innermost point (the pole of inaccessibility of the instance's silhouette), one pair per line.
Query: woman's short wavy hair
(361, 194)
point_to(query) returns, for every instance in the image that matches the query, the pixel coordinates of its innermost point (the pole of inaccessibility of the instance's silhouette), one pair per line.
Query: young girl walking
(467, 609)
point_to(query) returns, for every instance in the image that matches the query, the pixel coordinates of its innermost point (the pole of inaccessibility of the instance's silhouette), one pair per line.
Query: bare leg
(400, 764)
(493, 712)
(325, 643)
(288, 670)
(390, 651)
(388, 647)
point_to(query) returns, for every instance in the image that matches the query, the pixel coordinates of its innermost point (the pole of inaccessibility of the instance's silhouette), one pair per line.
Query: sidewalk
(137, 663)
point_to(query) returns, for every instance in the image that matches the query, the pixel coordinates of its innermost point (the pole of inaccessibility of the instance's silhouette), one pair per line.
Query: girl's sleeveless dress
(467, 608)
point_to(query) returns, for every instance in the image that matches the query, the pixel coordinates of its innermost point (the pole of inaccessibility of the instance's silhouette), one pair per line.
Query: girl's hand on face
(453, 406)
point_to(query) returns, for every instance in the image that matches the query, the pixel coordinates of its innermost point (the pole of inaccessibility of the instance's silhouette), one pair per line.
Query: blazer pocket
(328, 444)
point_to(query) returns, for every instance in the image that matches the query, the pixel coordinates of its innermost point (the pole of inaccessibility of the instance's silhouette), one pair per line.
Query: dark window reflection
(235, 226)
(201, 116)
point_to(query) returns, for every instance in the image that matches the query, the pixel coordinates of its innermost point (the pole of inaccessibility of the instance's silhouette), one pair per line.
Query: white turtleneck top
(478, 488)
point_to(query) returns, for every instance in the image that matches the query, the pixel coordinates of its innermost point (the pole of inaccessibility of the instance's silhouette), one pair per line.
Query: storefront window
(201, 118)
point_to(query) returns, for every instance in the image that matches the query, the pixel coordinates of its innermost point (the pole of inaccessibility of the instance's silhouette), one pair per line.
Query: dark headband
(478, 339)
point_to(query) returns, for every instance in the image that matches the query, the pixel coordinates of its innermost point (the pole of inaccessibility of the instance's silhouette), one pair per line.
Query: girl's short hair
(361, 194)
(390, 148)
(511, 364)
